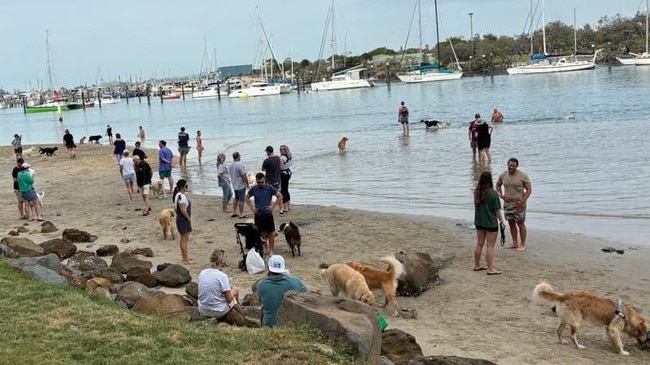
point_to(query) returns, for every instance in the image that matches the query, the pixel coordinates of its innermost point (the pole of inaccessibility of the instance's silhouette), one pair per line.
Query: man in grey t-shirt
(271, 166)
(239, 184)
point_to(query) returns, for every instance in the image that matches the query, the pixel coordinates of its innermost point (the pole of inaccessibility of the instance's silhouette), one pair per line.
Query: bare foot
(494, 272)
(513, 247)
(521, 248)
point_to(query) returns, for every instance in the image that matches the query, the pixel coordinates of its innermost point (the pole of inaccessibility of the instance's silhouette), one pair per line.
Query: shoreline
(468, 314)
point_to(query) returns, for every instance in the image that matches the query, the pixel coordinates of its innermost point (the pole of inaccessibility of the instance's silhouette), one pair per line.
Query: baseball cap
(26, 165)
(276, 264)
(136, 157)
(269, 149)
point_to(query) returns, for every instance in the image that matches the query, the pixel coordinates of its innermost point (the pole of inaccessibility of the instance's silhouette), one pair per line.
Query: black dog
(94, 139)
(430, 123)
(48, 151)
(292, 235)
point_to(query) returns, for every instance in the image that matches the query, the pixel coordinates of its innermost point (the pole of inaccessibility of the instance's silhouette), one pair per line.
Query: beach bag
(254, 262)
(405, 112)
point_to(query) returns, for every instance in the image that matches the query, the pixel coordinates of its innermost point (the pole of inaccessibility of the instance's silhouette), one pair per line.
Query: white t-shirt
(212, 284)
(128, 167)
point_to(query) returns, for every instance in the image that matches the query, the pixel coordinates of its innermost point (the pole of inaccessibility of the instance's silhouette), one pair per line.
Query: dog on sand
(342, 144)
(573, 307)
(158, 188)
(165, 218)
(30, 151)
(82, 140)
(343, 278)
(48, 151)
(292, 235)
(386, 280)
(94, 139)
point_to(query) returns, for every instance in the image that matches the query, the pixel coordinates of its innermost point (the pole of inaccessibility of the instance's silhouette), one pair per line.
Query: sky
(90, 41)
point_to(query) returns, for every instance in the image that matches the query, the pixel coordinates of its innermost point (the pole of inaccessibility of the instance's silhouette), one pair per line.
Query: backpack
(405, 111)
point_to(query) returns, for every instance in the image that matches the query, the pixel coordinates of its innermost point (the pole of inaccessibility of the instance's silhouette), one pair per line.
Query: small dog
(158, 188)
(435, 123)
(165, 220)
(48, 151)
(94, 139)
(292, 235)
(343, 278)
(574, 306)
(82, 140)
(30, 151)
(343, 144)
(386, 280)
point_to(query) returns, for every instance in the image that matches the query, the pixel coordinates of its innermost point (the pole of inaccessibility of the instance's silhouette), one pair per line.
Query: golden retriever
(343, 278)
(386, 280)
(343, 143)
(573, 307)
(158, 188)
(165, 218)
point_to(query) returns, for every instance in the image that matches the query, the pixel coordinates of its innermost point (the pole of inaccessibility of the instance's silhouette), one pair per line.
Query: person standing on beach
(271, 289)
(272, 166)
(497, 117)
(137, 151)
(118, 148)
(285, 176)
(183, 147)
(403, 118)
(26, 187)
(68, 142)
(183, 219)
(109, 133)
(239, 185)
(141, 133)
(21, 201)
(263, 210)
(18, 145)
(143, 175)
(199, 146)
(487, 218)
(224, 181)
(472, 135)
(514, 187)
(484, 139)
(165, 158)
(127, 169)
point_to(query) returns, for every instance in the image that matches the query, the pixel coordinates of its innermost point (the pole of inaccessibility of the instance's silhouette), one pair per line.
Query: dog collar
(619, 310)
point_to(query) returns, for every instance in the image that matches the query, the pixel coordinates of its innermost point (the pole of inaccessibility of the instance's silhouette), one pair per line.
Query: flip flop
(243, 217)
(480, 269)
(233, 215)
(495, 273)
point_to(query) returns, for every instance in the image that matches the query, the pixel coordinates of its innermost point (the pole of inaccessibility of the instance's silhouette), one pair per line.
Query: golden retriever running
(165, 218)
(386, 280)
(575, 306)
(342, 144)
(343, 278)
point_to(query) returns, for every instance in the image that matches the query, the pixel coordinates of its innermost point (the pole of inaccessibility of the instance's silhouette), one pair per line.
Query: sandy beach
(469, 314)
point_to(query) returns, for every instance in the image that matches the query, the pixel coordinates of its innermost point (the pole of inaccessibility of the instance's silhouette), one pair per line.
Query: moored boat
(256, 89)
(47, 107)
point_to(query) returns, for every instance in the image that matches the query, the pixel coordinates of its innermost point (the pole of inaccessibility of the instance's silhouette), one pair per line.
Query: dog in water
(48, 151)
(343, 144)
(158, 188)
(386, 280)
(573, 307)
(435, 123)
(165, 218)
(94, 139)
(343, 278)
(292, 235)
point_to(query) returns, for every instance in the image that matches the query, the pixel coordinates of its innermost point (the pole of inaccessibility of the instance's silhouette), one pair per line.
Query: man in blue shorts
(263, 209)
(165, 158)
(272, 288)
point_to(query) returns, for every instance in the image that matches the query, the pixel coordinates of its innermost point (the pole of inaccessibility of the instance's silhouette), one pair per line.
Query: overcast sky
(139, 39)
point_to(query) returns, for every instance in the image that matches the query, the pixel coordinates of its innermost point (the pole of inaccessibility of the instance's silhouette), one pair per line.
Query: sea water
(589, 174)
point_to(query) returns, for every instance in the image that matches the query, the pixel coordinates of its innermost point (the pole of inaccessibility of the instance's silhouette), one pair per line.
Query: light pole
(471, 30)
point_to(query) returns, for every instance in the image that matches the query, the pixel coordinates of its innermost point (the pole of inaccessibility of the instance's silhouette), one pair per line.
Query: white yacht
(257, 89)
(107, 99)
(346, 79)
(212, 91)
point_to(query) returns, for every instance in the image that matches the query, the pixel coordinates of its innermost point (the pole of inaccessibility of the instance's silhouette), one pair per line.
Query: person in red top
(403, 118)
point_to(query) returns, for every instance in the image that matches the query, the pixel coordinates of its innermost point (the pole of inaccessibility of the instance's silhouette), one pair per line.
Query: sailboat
(51, 105)
(350, 78)
(643, 58)
(542, 63)
(428, 72)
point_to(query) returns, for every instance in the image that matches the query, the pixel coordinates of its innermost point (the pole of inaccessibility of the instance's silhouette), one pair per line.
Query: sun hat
(479, 120)
(276, 264)
(269, 149)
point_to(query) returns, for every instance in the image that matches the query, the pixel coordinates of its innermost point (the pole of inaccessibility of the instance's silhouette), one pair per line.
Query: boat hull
(339, 85)
(46, 108)
(550, 68)
(429, 77)
(250, 92)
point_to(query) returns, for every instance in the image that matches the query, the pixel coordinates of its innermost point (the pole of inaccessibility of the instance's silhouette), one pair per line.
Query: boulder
(164, 305)
(94, 283)
(44, 274)
(61, 248)
(192, 289)
(173, 275)
(421, 273)
(23, 246)
(22, 229)
(50, 261)
(76, 235)
(108, 250)
(109, 273)
(7, 252)
(398, 345)
(86, 261)
(131, 293)
(134, 272)
(147, 280)
(124, 261)
(145, 251)
(48, 227)
(349, 324)
(445, 360)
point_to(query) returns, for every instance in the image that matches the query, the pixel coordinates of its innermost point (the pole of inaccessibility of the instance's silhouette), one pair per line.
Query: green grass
(47, 324)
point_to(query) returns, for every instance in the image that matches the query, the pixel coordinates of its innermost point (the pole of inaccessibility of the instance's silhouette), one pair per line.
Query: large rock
(144, 251)
(7, 252)
(131, 293)
(44, 274)
(125, 261)
(445, 360)
(192, 289)
(350, 324)
(23, 246)
(398, 345)
(48, 227)
(76, 235)
(173, 275)
(109, 273)
(108, 250)
(86, 261)
(50, 261)
(165, 305)
(60, 247)
(421, 273)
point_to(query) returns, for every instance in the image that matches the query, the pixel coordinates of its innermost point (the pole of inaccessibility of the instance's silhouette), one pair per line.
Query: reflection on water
(587, 173)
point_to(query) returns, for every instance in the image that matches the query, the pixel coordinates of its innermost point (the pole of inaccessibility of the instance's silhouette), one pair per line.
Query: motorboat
(346, 79)
(107, 99)
(256, 89)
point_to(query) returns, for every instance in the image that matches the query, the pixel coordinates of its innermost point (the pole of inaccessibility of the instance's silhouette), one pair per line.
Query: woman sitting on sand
(487, 218)
(183, 219)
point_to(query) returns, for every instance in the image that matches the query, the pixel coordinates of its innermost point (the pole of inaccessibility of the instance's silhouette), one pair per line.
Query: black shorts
(18, 150)
(265, 222)
(490, 229)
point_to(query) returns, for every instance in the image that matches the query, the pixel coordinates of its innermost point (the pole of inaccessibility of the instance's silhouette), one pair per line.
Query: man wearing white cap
(272, 288)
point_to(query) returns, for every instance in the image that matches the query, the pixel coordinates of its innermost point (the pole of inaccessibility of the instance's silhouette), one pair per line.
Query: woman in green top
(487, 217)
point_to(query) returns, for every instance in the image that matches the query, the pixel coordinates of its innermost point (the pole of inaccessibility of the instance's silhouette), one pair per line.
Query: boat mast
(544, 28)
(646, 26)
(420, 32)
(333, 37)
(435, 3)
(575, 35)
(49, 67)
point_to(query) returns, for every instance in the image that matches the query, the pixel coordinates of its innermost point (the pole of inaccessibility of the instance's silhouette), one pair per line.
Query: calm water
(589, 174)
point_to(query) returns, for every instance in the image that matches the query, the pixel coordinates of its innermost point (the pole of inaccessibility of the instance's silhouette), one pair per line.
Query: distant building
(235, 71)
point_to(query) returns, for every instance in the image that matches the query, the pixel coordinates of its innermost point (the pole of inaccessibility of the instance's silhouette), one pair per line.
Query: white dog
(28, 152)
(158, 188)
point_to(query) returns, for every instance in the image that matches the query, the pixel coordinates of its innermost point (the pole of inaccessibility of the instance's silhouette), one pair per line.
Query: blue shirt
(263, 197)
(271, 293)
(165, 153)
